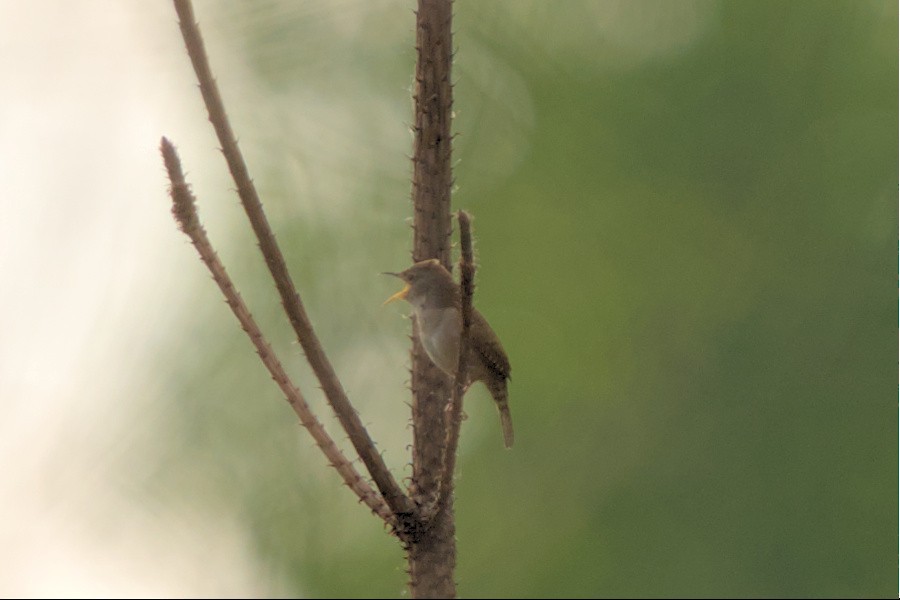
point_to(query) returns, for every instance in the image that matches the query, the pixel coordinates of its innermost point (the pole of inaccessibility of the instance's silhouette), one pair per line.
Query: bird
(436, 303)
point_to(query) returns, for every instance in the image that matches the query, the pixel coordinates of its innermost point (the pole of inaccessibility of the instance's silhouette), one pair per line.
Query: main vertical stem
(432, 556)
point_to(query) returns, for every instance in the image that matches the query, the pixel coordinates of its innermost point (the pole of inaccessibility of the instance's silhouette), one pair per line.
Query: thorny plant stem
(432, 559)
(453, 411)
(398, 502)
(185, 211)
(454, 417)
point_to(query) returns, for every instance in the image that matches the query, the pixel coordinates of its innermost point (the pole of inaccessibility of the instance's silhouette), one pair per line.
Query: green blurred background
(685, 219)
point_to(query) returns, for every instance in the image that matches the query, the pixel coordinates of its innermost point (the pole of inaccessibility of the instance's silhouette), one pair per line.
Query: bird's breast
(439, 331)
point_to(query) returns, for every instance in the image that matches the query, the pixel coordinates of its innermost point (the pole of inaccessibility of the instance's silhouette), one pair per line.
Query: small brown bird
(435, 299)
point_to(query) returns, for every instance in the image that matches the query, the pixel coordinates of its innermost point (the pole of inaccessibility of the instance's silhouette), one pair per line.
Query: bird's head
(428, 285)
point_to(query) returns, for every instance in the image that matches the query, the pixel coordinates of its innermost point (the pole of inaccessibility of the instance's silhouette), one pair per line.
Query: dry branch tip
(183, 207)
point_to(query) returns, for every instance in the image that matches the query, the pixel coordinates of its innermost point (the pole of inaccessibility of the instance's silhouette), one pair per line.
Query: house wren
(435, 299)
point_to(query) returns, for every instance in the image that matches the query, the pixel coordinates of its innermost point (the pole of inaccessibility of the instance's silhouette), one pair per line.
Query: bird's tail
(506, 424)
(497, 388)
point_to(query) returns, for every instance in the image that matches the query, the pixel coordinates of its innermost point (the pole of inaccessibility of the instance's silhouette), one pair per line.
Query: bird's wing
(486, 343)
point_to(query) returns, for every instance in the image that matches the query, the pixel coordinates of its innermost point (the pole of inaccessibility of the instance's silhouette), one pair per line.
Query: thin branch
(400, 504)
(185, 211)
(466, 290)
(453, 410)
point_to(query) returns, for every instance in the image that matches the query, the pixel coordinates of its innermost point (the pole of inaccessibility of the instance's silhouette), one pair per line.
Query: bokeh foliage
(685, 219)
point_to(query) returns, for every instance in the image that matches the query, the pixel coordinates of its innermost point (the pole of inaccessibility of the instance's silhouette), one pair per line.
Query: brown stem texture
(185, 212)
(399, 503)
(432, 559)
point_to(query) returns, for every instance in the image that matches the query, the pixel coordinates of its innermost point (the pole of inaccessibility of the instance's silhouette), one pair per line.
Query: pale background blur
(686, 219)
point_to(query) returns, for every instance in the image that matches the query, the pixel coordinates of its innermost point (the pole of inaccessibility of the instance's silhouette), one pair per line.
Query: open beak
(399, 295)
